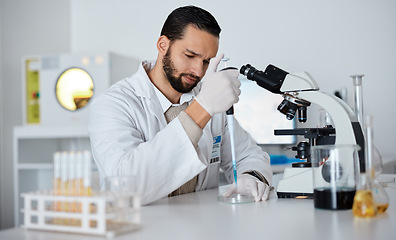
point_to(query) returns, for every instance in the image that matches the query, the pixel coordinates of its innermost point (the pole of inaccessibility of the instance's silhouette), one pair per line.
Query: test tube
(64, 184)
(72, 184)
(79, 173)
(64, 174)
(79, 181)
(72, 174)
(57, 174)
(87, 168)
(56, 187)
(87, 173)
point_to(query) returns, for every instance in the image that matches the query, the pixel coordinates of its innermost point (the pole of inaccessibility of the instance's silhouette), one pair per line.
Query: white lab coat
(129, 136)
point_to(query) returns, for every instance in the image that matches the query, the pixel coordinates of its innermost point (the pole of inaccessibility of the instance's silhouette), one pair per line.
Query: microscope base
(296, 182)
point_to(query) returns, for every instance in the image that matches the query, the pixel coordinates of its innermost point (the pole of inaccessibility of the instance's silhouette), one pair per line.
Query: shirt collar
(166, 104)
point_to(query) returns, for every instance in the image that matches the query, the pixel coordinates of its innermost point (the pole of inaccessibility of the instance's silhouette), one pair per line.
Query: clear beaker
(234, 198)
(121, 184)
(335, 170)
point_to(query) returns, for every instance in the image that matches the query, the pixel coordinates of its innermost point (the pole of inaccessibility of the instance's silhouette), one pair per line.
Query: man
(168, 127)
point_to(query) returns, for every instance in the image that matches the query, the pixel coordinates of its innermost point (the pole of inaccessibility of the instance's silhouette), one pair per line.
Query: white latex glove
(219, 90)
(249, 185)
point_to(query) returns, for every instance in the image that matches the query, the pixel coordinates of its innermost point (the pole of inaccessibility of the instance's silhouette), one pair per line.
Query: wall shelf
(35, 166)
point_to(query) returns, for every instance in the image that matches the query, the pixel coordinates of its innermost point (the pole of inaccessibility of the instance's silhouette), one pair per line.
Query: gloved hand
(249, 185)
(220, 90)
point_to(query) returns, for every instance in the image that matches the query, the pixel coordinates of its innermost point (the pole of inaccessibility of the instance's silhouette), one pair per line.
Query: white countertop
(199, 216)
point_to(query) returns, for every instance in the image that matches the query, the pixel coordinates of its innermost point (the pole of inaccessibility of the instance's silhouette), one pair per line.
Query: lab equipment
(299, 90)
(230, 122)
(98, 221)
(358, 97)
(73, 207)
(359, 112)
(235, 197)
(334, 180)
(32, 94)
(371, 198)
(119, 184)
(59, 87)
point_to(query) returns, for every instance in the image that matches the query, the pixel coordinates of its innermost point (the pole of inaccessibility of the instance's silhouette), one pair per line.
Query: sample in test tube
(87, 173)
(56, 187)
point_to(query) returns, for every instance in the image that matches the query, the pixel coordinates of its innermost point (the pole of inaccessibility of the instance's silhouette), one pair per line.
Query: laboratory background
(331, 40)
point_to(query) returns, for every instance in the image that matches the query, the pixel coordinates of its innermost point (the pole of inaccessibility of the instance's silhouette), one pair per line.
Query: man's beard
(176, 81)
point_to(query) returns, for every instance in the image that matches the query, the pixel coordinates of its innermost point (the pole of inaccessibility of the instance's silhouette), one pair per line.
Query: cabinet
(33, 151)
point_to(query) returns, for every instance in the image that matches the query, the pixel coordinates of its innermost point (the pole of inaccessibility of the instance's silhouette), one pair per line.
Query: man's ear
(163, 45)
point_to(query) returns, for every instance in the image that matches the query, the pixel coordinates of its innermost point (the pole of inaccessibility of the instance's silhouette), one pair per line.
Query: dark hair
(181, 17)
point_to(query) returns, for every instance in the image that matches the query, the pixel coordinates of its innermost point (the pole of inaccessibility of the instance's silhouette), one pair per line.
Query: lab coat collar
(145, 67)
(144, 88)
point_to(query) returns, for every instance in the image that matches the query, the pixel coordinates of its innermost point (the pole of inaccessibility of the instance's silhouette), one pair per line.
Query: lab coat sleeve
(162, 163)
(249, 156)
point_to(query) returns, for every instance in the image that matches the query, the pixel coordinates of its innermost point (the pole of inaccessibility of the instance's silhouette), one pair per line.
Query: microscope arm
(341, 114)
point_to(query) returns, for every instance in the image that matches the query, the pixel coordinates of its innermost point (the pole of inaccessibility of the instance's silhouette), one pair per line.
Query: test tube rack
(103, 214)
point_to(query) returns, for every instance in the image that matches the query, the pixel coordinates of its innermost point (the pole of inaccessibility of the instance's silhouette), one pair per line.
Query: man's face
(187, 59)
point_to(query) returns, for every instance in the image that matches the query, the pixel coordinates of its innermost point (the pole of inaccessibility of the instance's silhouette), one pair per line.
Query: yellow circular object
(74, 89)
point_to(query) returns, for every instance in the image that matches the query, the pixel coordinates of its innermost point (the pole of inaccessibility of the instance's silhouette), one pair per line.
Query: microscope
(299, 90)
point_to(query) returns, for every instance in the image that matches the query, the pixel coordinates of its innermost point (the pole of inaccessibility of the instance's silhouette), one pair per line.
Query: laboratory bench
(199, 216)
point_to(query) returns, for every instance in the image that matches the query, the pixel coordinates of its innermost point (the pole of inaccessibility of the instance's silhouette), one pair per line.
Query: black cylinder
(302, 114)
(272, 79)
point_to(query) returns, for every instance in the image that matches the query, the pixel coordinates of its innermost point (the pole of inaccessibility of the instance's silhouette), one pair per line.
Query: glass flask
(371, 198)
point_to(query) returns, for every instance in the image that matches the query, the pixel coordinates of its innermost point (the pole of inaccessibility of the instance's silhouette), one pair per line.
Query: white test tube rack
(102, 214)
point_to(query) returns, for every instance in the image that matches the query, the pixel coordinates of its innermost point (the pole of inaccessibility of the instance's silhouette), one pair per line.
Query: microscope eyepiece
(271, 79)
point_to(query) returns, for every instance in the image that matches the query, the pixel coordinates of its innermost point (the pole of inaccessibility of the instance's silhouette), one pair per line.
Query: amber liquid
(381, 208)
(364, 205)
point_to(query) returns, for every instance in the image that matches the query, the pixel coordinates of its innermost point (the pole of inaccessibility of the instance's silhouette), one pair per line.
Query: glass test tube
(87, 173)
(64, 188)
(72, 184)
(56, 188)
(79, 177)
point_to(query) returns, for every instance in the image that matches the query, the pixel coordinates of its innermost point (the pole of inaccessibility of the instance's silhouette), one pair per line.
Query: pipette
(230, 121)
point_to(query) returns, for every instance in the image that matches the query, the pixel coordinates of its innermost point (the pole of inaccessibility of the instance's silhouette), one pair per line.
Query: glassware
(358, 109)
(335, 170)
(371, 198)
(380, 196)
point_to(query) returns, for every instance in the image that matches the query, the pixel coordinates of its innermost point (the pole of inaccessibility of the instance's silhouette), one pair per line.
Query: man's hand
(220, 90)
(249, 185)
